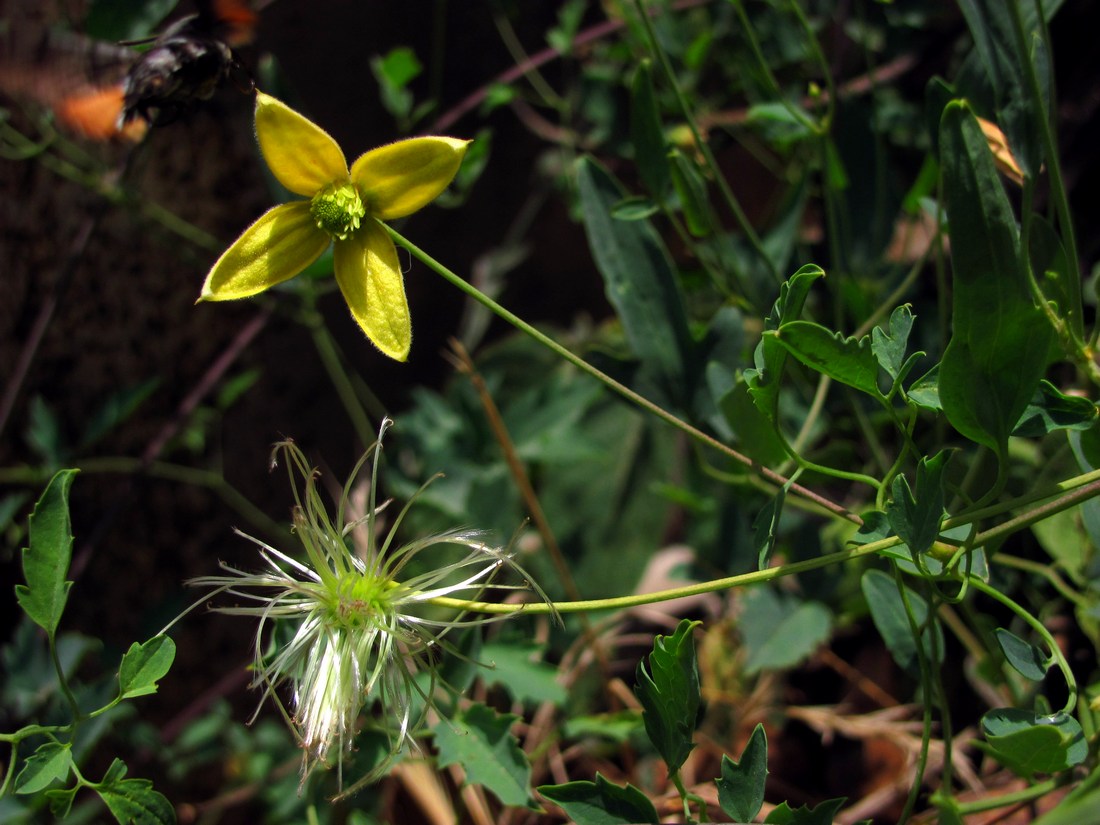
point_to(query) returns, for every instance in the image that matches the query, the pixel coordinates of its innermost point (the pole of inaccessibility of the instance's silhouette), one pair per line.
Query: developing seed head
(338, 209)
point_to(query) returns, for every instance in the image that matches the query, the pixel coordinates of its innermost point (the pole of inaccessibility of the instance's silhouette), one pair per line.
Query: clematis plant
(355, 626)
(345, 207)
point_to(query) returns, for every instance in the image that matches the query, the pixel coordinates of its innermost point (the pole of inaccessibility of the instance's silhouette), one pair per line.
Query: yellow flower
(344, 208)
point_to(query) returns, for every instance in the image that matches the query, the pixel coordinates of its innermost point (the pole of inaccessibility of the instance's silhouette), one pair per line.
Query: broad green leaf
(741, 786)
(780, 630)
(889, 615)
(479, 740)
(601, 803)
(1050, 410)
(821, 814)
(770, 357)
(49, 763)
(889, 345)
(847, 360)
(142, 665)
(647, 133)
(916, 517)
(1006, 58)
(1028, 660)
(519, 669)
(46, 560)
(1030, 743)
(669, 693)
(640, 282)
(1000, 342)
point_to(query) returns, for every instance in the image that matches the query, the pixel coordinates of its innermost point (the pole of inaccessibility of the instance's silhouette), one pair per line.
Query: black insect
(105, 91)
(187, 63)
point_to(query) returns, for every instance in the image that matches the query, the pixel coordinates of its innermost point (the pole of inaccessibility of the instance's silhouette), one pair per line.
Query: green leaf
(779, 630)
(61, 800)
(601, 803)
(634, 209)
(821, 814)
(1006, 61)
(617, 727)
(741, 786)
(1001, 342)
(1050, 410)
(142, 665)
(756, 435)
(875, 527)
(647, 134)
(925, 391)
(770, 357)
(1030, 743)
(1057, 277)
(1028, 660)
(889, 345)
(916, 518)
(479, 740)
(888, 613)
(847, 360)
(640, 282)
(46, 560)
(669, 693)
(518, 668)
(133, 800)
(692, 194)
(50, 762)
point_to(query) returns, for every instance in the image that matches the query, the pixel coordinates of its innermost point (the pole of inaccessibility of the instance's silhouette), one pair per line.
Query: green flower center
(338, 209)
(360, 601)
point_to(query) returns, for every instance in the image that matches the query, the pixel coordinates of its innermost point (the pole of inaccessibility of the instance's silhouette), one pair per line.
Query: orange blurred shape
(1002, 154)
(95, 114)
(238, 18)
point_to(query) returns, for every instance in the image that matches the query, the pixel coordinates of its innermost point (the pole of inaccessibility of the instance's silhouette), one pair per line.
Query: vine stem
(834, 509)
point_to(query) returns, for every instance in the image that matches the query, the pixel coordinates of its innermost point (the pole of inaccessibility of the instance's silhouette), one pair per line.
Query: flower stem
(826, 504)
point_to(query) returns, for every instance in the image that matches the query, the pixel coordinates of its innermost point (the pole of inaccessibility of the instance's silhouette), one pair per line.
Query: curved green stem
(1037, 626)
(636, 599)
(830, 506)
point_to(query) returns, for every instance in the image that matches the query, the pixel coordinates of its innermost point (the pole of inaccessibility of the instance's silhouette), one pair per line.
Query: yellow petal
(400, 178)
(278, 246)
(369, 275)
(302, 156)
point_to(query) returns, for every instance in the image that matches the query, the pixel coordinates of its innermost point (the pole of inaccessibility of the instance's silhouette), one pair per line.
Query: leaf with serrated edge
(669, 692)
(46, 560)
(741, 786)
(479, 740)
(601, 802)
